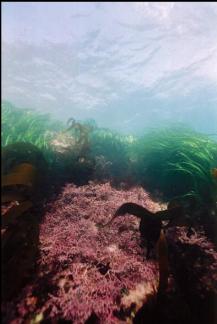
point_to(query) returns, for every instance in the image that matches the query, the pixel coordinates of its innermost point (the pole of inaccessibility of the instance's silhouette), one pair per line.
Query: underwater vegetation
(82, 269)
(25, 125)
(19, 229)
(152, 234)
(72, 150)
(87, 271)
(22, 152)
(170, 163)
(177, 162)
(111, 152)
(150, 223)
(77, 151)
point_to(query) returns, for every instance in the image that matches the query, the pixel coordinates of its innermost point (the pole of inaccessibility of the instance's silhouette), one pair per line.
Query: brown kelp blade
(12, 196)
(163, 262)
(214, 173)
(22, 152)
(23, 174)
(130, 208)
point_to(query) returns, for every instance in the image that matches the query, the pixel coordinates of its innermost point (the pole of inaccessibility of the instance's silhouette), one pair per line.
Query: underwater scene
(109, 163)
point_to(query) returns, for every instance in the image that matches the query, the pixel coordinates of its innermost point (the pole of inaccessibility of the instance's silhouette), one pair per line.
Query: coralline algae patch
(85, 271)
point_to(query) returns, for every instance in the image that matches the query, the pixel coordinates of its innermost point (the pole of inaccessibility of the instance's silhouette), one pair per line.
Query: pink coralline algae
(85, 271)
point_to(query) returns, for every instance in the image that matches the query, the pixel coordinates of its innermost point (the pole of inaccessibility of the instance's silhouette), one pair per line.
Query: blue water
(129, 66)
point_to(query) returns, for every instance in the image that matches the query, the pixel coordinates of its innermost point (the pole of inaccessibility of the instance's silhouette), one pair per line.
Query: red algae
(83, 270)
(92, 274)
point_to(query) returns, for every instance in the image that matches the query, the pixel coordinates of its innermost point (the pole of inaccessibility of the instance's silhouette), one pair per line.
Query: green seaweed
(28, 126)
(176, 162)
(171, 162)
